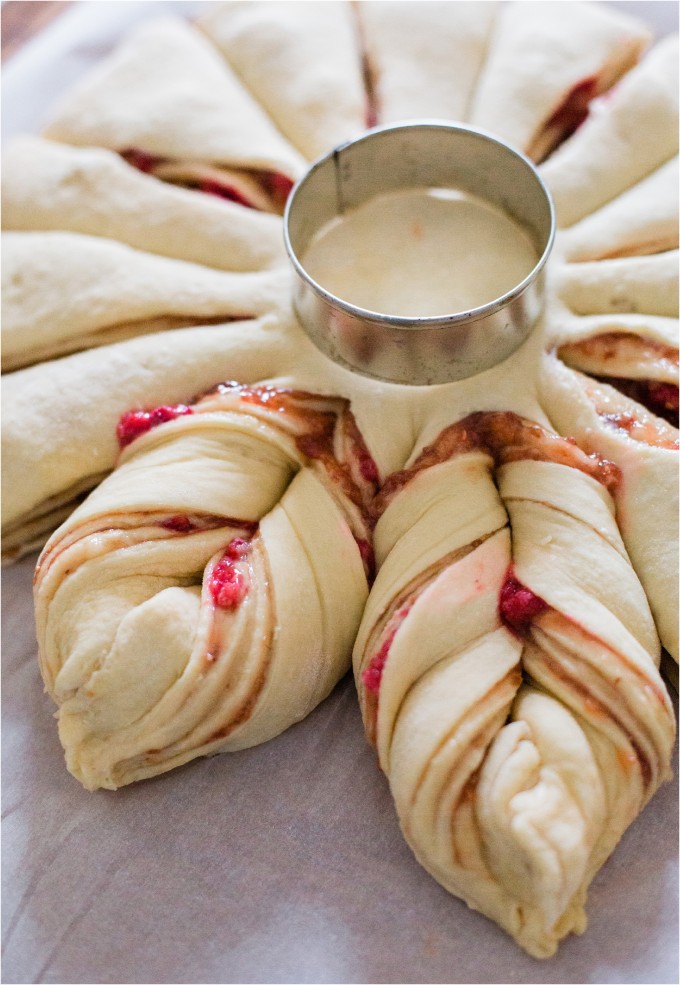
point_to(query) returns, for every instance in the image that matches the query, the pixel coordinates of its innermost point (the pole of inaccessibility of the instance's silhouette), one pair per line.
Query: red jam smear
(182, 524)
(278, 186)
(615, 411)
(179, 524)
(140, 159)
(573, 109)
(372, 675)
(664, 399)
(367, 466)
(228, 584)
(368, 470)
(137, 422)
(370, 77)
(518, 605)
(368, 557)
(505, 437)
(371, 115)
(227, 192)
(643, 431)
(659, 398)
(307, 406)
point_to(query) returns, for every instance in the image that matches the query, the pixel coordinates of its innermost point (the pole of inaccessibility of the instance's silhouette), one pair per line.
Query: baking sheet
(282, 863)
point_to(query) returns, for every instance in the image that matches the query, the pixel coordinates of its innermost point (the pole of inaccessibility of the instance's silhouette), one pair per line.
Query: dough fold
(545, 65)
(642, 220)
(59, 417)
(207, 594)
(628, 133)
(610, 380)
(91, 190)
(507, 668)
(645, 448)
(168, 102)
(424, 59)
(266, 43)
(63, 292)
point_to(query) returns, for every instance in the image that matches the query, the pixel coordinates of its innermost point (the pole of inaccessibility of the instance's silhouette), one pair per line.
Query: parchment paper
(282, 863)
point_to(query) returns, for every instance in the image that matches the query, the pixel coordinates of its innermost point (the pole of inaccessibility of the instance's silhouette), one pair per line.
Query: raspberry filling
(372, 676)
(227, 192)
(147, 162)
(663, 397)
(228, 584)
(367, 556)
(179, 524)
(660, 398)
(279, 186)
(507, 437)
(373, 673)
(371, 116)
(573, 109)
(645, 431)
(140, 159)
(137, 422)
(518, 606)
(367, 467)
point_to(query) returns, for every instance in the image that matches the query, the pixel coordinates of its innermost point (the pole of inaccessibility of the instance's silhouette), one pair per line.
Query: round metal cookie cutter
(428, 154)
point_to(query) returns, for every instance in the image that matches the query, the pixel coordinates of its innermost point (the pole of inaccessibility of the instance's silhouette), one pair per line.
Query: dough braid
(507, 671)
(206, 595)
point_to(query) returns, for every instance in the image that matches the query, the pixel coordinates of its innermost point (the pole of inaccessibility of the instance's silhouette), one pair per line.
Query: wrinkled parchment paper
(282, 863)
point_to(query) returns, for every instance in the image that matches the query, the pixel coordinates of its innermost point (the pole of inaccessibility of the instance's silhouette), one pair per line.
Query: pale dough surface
(65, 291)
(90, 190)
(316, 108)
(641, 285)
(642, 220)
(166, 91)
(425, 59)
(647, 502)
(629, 132)
(538, 54)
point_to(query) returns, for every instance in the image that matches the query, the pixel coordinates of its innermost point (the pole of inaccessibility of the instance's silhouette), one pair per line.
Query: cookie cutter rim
(418, 350)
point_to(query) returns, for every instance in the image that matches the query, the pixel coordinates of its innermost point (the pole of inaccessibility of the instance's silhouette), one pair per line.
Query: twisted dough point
(507, 672)
(206, 595)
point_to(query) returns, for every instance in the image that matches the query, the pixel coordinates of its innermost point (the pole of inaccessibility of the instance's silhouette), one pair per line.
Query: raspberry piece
(519, 606)
(228, 584)
(237, 549)
(137, 422)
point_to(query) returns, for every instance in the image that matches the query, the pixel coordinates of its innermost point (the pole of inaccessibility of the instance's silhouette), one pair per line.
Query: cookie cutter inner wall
(426, 350)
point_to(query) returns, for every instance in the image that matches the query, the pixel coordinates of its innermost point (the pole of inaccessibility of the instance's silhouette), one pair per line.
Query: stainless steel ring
(428, 350)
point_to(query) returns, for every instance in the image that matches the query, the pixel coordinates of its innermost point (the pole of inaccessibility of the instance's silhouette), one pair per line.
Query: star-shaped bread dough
(498, 553)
